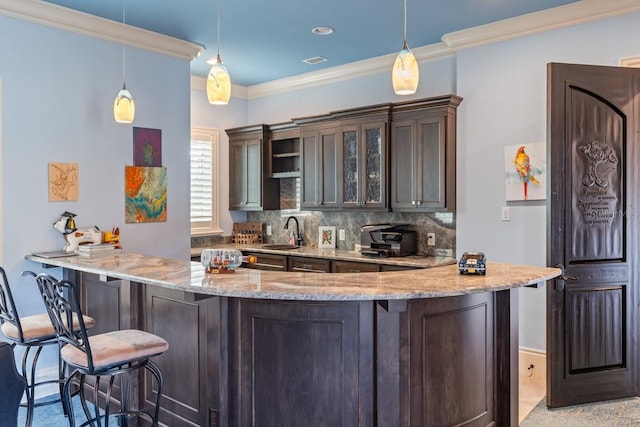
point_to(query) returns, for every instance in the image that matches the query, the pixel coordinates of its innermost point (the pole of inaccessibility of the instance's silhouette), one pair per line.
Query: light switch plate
(268, 230)
(341, 235)
(506, 213)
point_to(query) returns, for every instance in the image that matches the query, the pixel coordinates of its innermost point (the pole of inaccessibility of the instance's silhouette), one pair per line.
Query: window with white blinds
(204, 182)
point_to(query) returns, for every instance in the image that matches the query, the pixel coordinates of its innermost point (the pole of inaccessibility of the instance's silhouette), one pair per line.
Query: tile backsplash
(442, 224)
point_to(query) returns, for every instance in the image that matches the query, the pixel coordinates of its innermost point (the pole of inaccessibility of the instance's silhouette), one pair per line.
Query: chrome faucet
(298, 235)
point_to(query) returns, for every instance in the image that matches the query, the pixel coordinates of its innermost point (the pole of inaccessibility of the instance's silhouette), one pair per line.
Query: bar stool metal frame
(30, 332)
(114, 354)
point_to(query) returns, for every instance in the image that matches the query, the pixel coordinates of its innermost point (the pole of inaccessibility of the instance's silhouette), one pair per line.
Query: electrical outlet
(431, 239)
(268, 230)
(341, 234)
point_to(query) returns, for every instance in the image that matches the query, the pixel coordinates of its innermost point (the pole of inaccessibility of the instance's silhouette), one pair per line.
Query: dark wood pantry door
(594, 189)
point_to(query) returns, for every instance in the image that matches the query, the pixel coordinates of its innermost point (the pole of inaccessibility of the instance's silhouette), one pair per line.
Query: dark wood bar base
(237, 362)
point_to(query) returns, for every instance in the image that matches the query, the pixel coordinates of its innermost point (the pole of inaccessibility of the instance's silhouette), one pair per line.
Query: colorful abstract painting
(147, 147)
(525, 167)
(145, 194)
(63, 182)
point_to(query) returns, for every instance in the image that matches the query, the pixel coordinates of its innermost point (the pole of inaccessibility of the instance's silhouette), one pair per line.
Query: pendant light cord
(405, 22)
(218, 28)
(123, 57)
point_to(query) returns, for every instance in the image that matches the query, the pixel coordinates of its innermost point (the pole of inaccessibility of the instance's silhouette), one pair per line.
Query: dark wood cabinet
(423, 155)
(276, 262)
(319, 186)
(191, 366)
(309, 265)
(284, 150)
(301, 363)
(345, 159)
(250, 187)
(399, 157)
(190, 323)
(364, 164)
(236, 361)
(354, 267)
(267, 261)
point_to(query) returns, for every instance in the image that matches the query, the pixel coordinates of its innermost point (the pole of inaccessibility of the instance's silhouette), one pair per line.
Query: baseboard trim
(536, 376)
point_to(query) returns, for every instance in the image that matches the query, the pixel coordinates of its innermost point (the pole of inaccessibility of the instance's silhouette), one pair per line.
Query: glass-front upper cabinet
(364, 166)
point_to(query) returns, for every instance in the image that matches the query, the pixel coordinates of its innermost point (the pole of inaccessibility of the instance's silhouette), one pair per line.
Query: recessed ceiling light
(314, 60)
(322, 31)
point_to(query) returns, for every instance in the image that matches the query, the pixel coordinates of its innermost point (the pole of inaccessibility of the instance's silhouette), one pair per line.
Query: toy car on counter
(472, 263)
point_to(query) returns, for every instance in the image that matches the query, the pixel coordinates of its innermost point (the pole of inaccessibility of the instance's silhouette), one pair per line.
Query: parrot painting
(523, 167)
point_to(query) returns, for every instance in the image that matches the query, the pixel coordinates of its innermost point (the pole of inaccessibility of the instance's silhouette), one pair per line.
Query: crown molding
(346, 71)
(559, 17)
(538, 22)
(40, 12)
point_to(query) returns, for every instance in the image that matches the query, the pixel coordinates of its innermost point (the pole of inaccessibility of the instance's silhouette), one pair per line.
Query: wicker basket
(247, 233)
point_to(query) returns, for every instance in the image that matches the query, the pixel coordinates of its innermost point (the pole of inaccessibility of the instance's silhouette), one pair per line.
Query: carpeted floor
(52, 415)
(615, 413)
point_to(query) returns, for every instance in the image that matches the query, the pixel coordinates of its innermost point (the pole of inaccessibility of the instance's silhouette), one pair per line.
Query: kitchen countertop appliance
(387, 240)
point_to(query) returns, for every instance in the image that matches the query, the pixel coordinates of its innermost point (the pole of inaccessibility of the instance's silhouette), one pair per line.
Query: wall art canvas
(327, 237)
(147, 147)
(525, 174)
(63, 182)
(145, 194)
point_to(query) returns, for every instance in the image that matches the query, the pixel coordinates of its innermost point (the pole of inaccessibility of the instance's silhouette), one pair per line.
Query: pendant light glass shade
(218, 79)
(124, 109)
(406, 73)
(218, 83)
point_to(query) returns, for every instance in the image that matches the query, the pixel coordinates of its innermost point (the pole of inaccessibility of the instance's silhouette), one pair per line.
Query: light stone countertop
(248, 283)
(416, 261)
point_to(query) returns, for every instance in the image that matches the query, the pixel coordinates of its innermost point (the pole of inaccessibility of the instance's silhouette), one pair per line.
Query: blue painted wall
(58, 90)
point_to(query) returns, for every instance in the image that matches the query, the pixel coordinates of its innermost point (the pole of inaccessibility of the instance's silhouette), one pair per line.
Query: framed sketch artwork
(327, 237)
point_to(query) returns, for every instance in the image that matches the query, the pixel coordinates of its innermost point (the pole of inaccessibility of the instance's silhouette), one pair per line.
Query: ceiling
(262, 41)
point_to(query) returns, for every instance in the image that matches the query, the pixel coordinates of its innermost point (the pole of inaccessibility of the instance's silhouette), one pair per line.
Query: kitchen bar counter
(246, 283)
(416, 261)
(398, 348)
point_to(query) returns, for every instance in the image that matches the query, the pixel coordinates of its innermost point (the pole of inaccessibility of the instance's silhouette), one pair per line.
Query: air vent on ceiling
(314, 60)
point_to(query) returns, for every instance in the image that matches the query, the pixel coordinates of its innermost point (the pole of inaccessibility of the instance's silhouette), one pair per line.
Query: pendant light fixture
(405, 75)
(124, 109)
(218, 80)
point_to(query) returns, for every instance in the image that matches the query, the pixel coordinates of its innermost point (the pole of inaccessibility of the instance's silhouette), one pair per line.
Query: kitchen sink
(280, 246)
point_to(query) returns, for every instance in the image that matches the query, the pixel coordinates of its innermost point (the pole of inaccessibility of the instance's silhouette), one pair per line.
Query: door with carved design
(593, 232)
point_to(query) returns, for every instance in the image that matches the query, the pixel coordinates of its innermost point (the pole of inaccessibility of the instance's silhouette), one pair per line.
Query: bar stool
(31, 332)
(111, 354)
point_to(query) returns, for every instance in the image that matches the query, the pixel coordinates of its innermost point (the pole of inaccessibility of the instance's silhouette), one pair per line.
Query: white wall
(58, 93)
(220, 117)
(504, 90)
